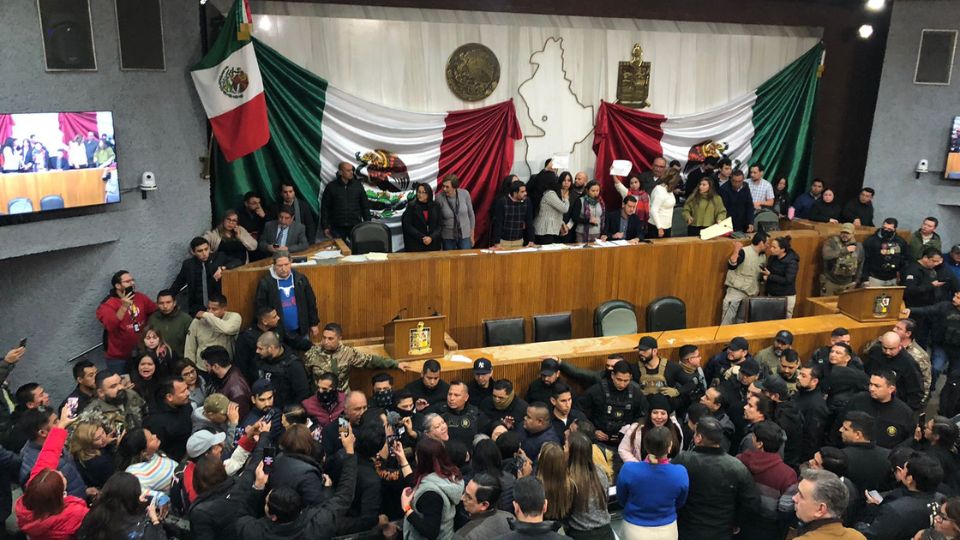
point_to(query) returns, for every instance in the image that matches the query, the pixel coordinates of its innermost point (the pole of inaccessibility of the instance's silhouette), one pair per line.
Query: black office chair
(666, 313)
(370, 237)
(498, 332)
(555, 327)
(615, 318)
(763, 308)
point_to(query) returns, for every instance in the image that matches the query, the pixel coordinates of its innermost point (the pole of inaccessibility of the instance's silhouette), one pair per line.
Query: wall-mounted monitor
(58, 160)
(952, 170)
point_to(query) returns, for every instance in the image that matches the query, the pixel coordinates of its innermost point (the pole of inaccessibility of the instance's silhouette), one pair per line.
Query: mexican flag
(231, 88)
(315, 126)
(773, 125)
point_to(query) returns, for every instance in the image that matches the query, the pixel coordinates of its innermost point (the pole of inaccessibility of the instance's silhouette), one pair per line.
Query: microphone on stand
(397, 317)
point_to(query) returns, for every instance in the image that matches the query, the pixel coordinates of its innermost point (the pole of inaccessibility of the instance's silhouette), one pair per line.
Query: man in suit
(283, 234)
(625, 225)
(301, 210)
(201, 274)
(649, 179)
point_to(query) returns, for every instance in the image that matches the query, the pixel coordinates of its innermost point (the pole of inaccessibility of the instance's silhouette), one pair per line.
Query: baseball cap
(216, 403)
(784, 336)
(955, 248)
(203, 440)
(847, 228)
(739, 344)
(774, 384)
(646, 343)
(482, 366)
(749, 368)
(261, 386)
(549, 366)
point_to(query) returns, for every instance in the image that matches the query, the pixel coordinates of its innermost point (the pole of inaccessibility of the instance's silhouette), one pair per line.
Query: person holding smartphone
(123, 314)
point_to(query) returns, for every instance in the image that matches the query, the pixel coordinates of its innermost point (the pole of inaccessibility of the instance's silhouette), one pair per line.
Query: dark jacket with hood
(268, 295)
(783, 274)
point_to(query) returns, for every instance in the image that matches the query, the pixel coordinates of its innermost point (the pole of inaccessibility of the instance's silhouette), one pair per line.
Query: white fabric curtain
(397, 57)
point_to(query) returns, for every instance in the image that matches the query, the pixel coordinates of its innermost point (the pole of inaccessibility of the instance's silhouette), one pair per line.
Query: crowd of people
(29, 154)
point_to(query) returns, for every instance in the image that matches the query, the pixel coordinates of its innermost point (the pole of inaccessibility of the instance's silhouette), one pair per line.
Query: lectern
(871, 303)
(415, 339)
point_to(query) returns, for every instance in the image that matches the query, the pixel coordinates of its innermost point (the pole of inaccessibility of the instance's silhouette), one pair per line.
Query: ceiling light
(865, 31)
(876, 5)
(264, 23)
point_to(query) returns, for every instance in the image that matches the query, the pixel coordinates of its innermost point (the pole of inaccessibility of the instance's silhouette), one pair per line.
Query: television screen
(52, 161)
(952, 171)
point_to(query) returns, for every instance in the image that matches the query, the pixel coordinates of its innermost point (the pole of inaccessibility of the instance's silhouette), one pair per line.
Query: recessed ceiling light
(865, 31)
(876, 5)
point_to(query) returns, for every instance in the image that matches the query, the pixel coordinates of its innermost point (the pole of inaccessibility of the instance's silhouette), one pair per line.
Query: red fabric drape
(73, 124)
(478, 147)
(624, 133)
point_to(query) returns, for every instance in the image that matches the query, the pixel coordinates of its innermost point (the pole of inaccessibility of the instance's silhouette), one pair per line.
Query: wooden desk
(472, 286)
(823, 305)
(521, 363)
(78, 187)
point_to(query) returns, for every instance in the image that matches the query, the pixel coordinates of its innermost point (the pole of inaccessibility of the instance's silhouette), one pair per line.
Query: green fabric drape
(295, 102)
(783, 118)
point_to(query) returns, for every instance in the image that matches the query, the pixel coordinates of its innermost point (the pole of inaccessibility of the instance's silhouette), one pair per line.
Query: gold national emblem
(891, 431)
(233, 81)
(633, 81)
(473, 72)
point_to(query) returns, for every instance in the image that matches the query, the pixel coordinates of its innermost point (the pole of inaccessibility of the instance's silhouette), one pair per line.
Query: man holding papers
(625, 225)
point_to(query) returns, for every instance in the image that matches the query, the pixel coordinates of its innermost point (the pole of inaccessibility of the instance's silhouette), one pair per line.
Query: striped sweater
(155, 475)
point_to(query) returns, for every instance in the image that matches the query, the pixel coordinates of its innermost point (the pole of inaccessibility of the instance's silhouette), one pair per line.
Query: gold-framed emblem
(633, 80)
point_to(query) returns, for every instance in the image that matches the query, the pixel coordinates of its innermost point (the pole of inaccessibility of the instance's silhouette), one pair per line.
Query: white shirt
(661, 207)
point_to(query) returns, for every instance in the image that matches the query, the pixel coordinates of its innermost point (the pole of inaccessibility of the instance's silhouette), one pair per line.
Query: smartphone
(73, 403)
(267, 417)
(23, 342)
(875, 495)
(269, 453)
(922, 422)
(343, 424)
(128, 290)
(401, 431)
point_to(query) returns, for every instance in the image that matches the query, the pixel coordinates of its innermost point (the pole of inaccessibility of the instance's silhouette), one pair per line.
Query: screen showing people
(51, 161)
(953, 157)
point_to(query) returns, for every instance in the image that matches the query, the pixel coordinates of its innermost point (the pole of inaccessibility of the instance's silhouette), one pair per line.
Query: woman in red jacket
(45, 510)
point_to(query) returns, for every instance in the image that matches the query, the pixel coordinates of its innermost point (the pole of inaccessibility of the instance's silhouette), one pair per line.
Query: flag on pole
(231, 89)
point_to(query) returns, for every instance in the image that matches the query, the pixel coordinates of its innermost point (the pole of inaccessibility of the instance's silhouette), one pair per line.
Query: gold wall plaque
(473, 72)
(633, 81)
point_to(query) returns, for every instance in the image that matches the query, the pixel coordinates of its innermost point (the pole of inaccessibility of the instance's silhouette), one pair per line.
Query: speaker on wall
(935, 59)
(140, 31)
(67, 35)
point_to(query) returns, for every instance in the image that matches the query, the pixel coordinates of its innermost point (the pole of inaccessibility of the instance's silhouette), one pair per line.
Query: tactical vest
(461, 422)
(745, 277)
(616, 410)
(651, 383)
(951, 330)
(845, 266)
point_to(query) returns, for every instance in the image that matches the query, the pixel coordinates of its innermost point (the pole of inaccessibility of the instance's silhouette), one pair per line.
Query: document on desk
(326, 254)
(553, 247)
(610, 243)
(724, 228)
(520, 250)
(354, 258)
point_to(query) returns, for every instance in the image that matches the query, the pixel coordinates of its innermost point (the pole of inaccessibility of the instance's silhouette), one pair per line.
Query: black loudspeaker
(140, 29)
(935, 59)
(67, 35)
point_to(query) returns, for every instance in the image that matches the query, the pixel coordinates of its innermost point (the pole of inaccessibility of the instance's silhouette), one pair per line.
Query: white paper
(376, 256)
(354, 258)
(553, 247)
(621, 167)
(460, 358)
(561, 162)
(520, 250)
(326, 254)
(723, 228)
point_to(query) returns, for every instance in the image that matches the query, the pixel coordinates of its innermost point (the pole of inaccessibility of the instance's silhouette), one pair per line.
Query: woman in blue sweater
(651, 514)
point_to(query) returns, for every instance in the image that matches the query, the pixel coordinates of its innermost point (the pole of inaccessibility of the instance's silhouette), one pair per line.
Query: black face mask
(327, 398)
(404, 414)
(887, 235)
(383, 399)
(120, 398)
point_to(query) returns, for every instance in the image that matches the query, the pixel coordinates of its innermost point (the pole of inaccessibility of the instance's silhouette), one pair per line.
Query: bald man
(283, 369)
(343, 204)
(649, 179)
(354, 405)
(580, 183)
(890, 356)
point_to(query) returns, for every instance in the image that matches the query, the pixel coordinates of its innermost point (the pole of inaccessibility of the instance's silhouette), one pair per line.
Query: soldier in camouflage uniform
(332, 356)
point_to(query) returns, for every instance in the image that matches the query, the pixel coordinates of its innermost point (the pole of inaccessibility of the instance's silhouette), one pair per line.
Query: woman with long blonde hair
(588, 518)
(552, 472)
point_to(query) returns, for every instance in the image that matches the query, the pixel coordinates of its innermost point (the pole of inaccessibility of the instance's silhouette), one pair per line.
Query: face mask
(328, 398)
(887, 235)
(383, 399)
(404, 414)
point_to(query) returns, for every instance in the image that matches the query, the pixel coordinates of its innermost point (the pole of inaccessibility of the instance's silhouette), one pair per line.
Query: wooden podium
(872, 303)
(415, 339)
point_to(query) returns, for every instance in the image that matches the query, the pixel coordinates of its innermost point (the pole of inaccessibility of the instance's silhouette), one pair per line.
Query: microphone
(397, 316)
(433, 312)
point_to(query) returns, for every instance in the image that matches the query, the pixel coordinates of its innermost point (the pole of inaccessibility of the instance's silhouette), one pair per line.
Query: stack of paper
(326, 254)
(724, 228)
(376, 256)
(354, 258)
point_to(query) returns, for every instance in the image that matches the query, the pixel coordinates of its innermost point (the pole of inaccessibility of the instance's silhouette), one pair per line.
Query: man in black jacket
(283, 369)
(894, 419)
(903, 512)
(738, 202)
(513, 218)
(890, 356)
(464, 421)
(722, 492)
(926, 281)
(613, 403)
(343, 204)
(625, 225)
(285, 515)
(542, 389)
(860, 211)
(365, 508)
(429, 389)
(290, 294)
(812, 403)
(251, 214)
(201, 274)
(885, 254)
(245, 348)
(504, 405)
(529, 505)
(170, 420)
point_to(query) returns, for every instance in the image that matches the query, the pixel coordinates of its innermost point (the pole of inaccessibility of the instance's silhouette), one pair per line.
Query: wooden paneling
(521, 363)
(80, 187)
(470, 287)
